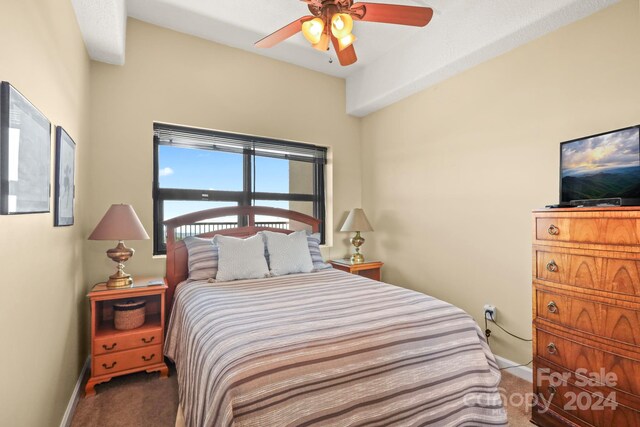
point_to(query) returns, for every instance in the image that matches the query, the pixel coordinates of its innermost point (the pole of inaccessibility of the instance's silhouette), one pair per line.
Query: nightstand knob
(149, 358)
(552, 307)
(104, 365)
(552, 266)
(552, 349)
(147, 341)
(553, 230)
(106, 347)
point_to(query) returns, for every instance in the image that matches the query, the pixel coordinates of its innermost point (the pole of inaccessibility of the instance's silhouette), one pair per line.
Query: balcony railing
(207, 227)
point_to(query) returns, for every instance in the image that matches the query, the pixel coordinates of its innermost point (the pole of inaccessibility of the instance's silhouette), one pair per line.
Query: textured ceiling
(241, 23)
(393, 61)
(103, 24)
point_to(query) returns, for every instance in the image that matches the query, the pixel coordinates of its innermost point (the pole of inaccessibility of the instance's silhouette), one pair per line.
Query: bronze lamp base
(357, 241)
(120, 254)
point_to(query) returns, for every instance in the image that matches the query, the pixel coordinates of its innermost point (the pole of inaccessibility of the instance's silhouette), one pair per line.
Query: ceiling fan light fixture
(346, 41)
(313, 30)
(341, 25)
(330, 23)
(323, 44)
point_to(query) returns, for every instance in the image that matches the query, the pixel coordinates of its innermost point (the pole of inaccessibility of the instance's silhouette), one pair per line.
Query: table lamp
(357, 221)
(119, 223)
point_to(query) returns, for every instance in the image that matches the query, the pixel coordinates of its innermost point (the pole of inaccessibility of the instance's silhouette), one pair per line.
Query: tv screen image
(601, 166)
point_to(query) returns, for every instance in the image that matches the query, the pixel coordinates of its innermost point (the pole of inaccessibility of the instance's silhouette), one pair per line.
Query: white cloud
(166, 171)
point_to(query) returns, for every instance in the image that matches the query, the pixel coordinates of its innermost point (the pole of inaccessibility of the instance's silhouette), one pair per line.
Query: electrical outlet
(488, 308)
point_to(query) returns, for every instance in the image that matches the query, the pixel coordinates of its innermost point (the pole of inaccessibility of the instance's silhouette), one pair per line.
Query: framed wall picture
(64, 193)
(25, 155)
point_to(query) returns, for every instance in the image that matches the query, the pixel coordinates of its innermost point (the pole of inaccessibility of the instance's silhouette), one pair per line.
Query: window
(197, 169)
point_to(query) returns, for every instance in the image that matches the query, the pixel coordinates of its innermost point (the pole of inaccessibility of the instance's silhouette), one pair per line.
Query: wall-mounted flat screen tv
(601, 167)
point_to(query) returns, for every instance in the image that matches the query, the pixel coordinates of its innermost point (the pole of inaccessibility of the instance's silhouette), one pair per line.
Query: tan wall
(42, 303)
(175, 78)
(474, 154)
(451, 174)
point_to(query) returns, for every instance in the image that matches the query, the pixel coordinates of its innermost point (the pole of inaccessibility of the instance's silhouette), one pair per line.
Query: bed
(322, 348)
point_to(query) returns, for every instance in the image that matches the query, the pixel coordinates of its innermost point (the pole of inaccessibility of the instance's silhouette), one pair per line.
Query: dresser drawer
(617, 275)
(599, 409)
(127, 341)
(109, 364)
(573, 356)
(596, 231)
(603, 320)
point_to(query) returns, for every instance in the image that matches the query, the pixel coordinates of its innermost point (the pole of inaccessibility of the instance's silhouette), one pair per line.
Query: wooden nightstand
(114, 352)
(370, 269)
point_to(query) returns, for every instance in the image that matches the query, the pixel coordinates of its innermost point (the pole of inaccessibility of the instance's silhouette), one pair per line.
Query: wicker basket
(129, 315)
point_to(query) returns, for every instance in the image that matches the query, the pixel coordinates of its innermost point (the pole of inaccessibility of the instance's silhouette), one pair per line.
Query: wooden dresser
(586, 311)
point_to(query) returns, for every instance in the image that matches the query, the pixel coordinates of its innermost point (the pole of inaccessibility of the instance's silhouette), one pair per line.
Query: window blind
(207, 139)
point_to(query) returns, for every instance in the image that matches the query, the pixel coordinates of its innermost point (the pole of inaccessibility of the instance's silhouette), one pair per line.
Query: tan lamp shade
(356, 221)
(119, 223)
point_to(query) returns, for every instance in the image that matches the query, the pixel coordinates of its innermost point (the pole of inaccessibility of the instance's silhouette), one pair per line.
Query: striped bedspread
(328, 349)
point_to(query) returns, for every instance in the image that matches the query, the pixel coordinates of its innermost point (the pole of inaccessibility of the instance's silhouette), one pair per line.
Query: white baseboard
(524, 372)
(75, 397)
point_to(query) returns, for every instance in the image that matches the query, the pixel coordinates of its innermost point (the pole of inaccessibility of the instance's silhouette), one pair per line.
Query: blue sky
(216, 170)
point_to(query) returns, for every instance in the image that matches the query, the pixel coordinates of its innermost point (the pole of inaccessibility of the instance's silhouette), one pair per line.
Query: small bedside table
(370, 269)
(115, 352)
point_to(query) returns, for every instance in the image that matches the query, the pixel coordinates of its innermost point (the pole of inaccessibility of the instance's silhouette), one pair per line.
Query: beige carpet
(141, 400)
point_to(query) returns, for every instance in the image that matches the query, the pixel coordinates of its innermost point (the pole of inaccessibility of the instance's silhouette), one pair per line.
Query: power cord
(517, 366)
(487, 331)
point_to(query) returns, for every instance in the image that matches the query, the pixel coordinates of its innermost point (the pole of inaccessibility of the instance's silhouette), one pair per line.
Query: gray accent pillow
(240, 258)
(288, 253)
(203, 258)
(314, 249)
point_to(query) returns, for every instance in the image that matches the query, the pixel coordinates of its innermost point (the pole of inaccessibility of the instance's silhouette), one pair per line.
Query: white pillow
(288, 253)
(240, 258)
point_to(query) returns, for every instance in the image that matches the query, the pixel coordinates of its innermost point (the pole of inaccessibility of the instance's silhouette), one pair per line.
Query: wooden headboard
(177, 256)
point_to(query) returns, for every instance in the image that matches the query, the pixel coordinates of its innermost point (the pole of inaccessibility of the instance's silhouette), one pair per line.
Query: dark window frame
(243, 198)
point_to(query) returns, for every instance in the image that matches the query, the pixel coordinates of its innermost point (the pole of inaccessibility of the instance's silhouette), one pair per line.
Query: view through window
(196, 169)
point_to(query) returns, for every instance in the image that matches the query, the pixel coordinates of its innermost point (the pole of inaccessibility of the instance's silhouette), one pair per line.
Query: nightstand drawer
(110, 363)
(368, 269)
(127, 341)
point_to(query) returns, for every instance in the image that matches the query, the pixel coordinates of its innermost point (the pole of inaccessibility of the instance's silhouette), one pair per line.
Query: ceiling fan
(332, 20)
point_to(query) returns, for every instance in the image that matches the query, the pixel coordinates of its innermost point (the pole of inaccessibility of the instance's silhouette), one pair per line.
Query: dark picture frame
(65, 188)
(25, 155)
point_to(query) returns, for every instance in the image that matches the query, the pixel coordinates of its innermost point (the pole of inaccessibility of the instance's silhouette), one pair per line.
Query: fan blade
(392, 14)
(283, 33)
(347, 56)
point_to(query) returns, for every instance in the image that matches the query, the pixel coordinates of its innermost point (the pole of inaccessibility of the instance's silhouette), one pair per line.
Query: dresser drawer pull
(552, 307)
(146, 359)
(148, 341)
(108, 348)
(551, 348)
(104, 365)
(552, 266)
(553, 230)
